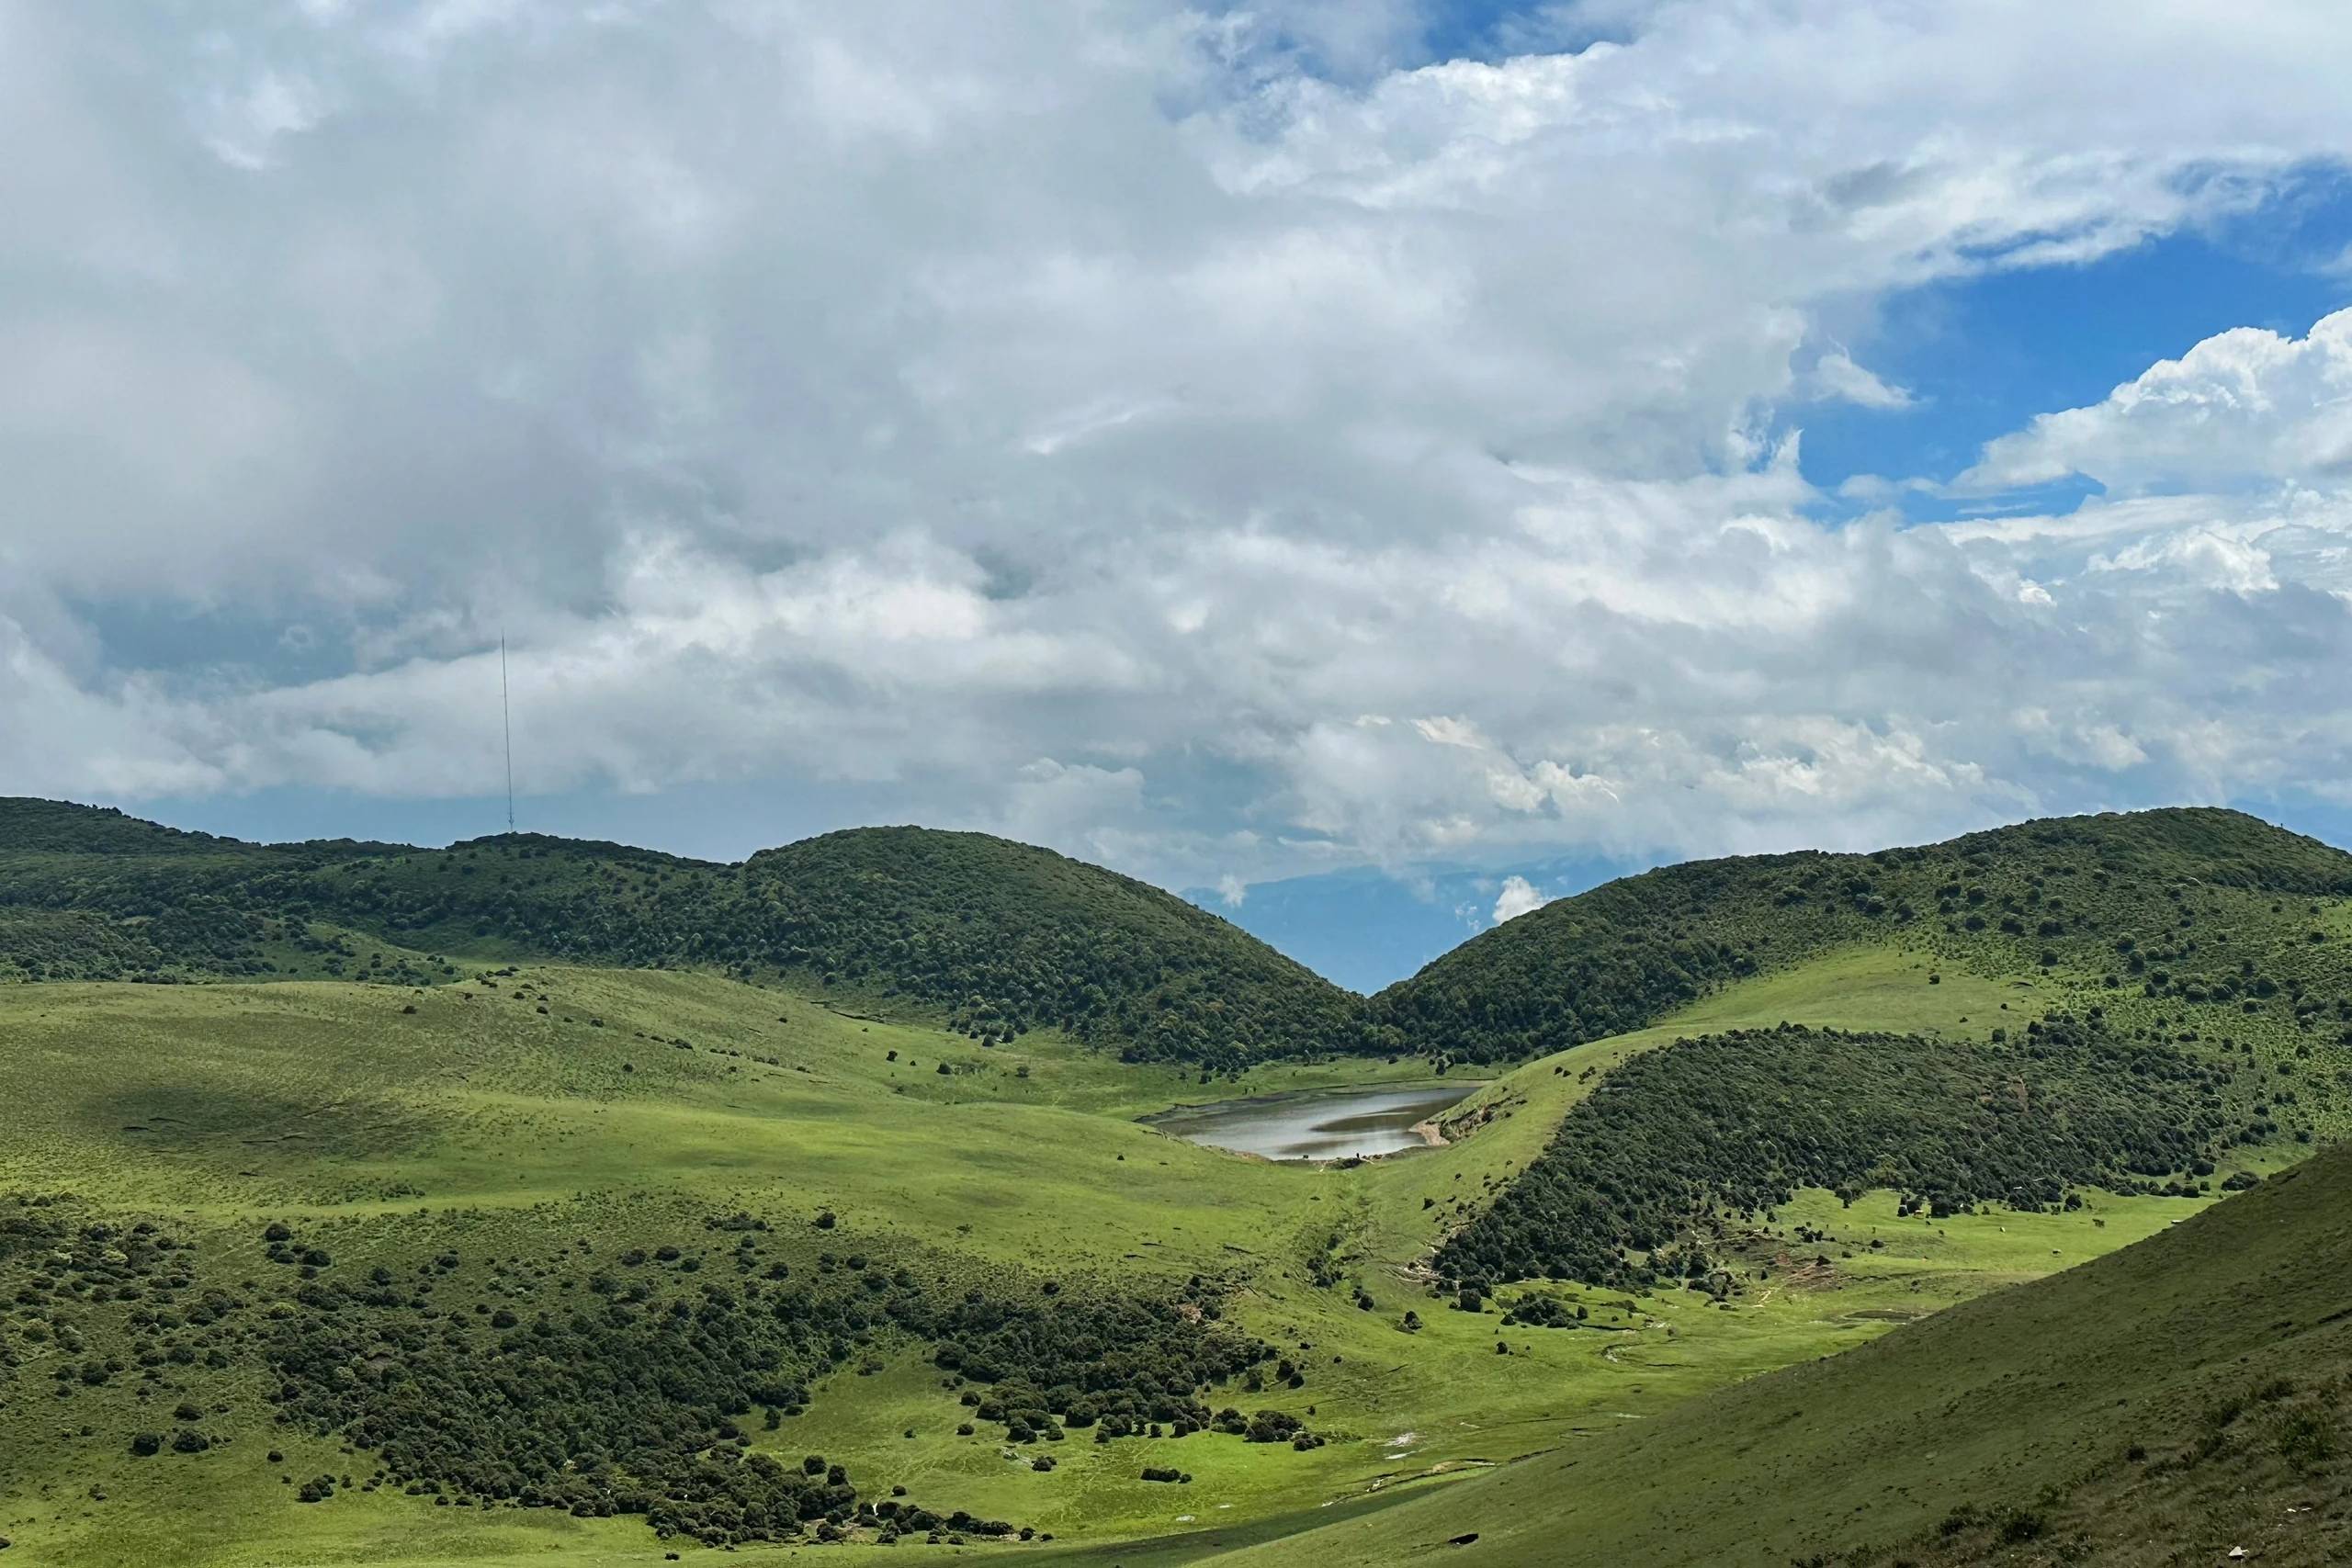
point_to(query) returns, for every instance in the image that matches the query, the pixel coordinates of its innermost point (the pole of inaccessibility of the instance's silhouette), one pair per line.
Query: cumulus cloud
(1518, 896)
(2244, 408)
(1223, 444)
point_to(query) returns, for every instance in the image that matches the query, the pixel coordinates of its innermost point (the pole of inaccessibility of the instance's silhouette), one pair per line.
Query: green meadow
(538, 1201)
(554, 1103)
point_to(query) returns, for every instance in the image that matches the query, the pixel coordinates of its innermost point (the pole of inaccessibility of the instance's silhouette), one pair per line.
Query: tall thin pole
(506, 720)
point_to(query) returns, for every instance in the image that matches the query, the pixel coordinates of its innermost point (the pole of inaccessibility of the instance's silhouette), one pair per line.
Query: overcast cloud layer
(1207, 442)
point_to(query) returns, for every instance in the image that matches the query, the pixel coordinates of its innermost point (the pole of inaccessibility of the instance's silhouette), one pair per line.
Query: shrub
(2021, 1525)
(2307, 1438)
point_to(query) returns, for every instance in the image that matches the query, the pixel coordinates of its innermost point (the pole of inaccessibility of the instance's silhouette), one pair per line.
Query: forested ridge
(1641, 1173)
(1000, 937)
(2193, 898)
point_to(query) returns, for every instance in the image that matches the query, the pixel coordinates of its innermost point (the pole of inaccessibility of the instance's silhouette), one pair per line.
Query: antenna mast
(506, 721)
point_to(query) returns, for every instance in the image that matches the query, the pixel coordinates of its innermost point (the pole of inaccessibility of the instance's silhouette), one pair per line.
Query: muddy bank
(1321, 1125)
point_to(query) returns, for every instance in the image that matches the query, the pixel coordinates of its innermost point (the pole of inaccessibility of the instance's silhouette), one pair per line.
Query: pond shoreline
(1320, 1125)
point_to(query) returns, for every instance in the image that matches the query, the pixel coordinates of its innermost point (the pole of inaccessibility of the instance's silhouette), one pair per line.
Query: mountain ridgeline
(573, 1219)
(2125, 897)
(998, 938)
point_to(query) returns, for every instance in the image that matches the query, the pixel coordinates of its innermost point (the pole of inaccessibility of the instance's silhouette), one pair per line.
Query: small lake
(1316, 1124)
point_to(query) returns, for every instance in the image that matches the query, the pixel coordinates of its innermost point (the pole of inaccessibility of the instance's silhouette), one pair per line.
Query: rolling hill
(2161, 1405)
(2120, 896)
(996, 937)
(2193, 1001)
(531, 1198)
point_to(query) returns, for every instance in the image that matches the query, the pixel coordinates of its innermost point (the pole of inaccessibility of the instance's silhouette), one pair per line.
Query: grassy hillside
(332, 1220)
(1644, 1178)
(2194, 904)
(996, 937)
(645, 1109)
(505, 1258)
(2161, 1405)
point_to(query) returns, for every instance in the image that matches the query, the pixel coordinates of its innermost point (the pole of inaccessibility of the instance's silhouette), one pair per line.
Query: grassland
(2163, 1405)
(537, 1118)
(637, 1103)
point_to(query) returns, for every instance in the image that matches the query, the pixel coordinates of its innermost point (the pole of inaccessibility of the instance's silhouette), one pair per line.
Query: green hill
(1649, 1177)
(2193, 993)
(997, 937)
(2120, 896)
(1011, 938)
(2161, 1405)
(537, 1198)
(1002, 937)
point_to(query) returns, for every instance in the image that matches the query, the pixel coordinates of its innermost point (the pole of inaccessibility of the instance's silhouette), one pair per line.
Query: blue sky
(1332, 459)
(1983, 355)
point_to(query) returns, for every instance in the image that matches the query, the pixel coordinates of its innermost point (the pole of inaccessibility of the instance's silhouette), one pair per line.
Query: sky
(1375, 465)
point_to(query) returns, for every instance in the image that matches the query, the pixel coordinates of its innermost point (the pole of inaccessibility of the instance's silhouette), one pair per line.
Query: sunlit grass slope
(2161, 1405)
(812, 1121)
(638, 1104)
(552, 1114)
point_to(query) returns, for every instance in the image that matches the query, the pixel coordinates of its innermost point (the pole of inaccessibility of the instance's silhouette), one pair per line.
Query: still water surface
(1329, 1124)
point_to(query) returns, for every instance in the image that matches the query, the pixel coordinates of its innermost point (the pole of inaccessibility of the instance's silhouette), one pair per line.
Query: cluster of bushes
(893, 1519)
(57, 1267)
(636, 1397)
(1533, 1311)
(1736, 1123)
(630, 1384)
(1268, 1426)
(80, 944)
(618, 1407)
(1121, 1366)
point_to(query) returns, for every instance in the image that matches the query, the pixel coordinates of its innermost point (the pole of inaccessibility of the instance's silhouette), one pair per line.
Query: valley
(943, 1246)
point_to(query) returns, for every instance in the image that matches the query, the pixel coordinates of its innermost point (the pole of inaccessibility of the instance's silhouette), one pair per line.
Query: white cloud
(2211, 556)
(2085, 741)
(1518, 898)
(1836, 378)
(2243, 408)
(1208, 441)
(1441, 730)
